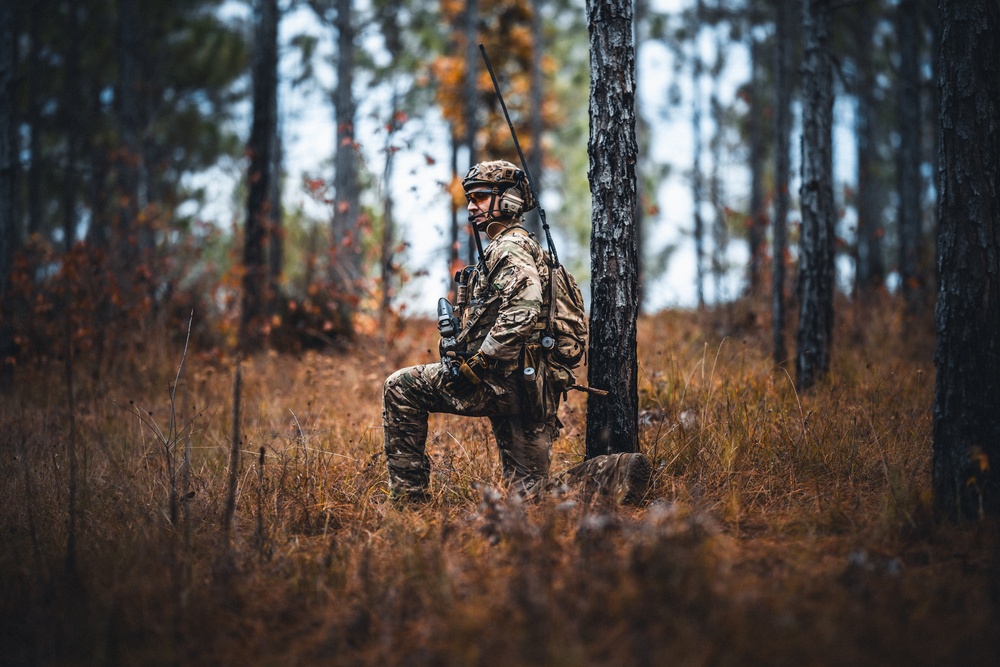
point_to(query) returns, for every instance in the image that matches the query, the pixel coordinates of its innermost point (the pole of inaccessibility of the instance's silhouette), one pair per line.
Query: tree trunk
(720, 231)
(967, 315)
(869, 267)
(10, 228)
(782, 172)
(696, 175)
(72, 102)
(534, 166)
(10, 233)
(612, 421)
(471, 110)
(276, 227)
(128, 163)
(643, 193)
(908, 170)
(346, 269)
(815, 287)
(260, 149)
(34, 68)
(757, 226)
(388, 222)
(454, 254)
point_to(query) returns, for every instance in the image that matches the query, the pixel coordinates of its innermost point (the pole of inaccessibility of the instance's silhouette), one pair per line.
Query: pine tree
(612, 421)
(816, 278)
(967, 315)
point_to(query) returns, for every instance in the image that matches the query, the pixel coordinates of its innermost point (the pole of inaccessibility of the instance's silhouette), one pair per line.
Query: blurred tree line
(110, 107)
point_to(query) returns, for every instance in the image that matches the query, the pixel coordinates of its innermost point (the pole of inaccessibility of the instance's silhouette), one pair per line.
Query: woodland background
(191, 458)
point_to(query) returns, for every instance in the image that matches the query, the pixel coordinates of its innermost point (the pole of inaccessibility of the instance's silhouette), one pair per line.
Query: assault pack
(567, 326)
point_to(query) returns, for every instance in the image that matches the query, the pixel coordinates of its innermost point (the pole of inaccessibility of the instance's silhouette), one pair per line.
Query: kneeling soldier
(486, 348)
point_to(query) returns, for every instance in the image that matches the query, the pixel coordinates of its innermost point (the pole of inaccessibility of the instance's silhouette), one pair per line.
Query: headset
(511, 203)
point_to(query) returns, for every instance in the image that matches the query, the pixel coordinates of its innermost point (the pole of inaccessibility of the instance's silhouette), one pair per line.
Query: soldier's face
(479, 203)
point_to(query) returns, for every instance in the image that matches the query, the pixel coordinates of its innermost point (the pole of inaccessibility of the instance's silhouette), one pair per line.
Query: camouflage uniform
(502, 322)
(501, 319)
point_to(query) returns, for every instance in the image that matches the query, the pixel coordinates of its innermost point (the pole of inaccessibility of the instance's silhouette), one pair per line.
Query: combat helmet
(511, 191)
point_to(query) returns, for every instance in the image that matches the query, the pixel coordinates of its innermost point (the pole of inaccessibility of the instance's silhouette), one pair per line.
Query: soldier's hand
(472, 370)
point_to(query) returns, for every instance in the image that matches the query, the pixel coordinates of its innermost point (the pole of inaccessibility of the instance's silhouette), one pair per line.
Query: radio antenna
(524, 164)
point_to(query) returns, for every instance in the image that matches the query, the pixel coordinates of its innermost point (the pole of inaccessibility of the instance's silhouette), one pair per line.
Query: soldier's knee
(393, 383)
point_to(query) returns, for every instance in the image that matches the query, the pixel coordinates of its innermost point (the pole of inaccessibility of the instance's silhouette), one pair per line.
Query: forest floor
(781, 528)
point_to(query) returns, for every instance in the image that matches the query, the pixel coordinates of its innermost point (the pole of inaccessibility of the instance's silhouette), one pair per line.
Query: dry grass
(782, 529)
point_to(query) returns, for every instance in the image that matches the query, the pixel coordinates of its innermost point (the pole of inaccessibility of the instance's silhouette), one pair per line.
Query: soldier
(499, 312)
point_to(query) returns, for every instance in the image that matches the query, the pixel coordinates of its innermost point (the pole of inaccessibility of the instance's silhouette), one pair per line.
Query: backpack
(566, 322)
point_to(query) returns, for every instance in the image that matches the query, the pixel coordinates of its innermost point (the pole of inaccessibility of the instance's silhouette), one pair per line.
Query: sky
(306, 116)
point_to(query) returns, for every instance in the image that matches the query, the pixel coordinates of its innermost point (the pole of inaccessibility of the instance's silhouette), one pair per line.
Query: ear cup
(511, 203)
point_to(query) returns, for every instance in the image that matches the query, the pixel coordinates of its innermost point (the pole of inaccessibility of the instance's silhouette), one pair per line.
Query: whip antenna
(524, 163)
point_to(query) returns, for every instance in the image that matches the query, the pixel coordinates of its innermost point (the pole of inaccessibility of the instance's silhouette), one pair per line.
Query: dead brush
(782, 528)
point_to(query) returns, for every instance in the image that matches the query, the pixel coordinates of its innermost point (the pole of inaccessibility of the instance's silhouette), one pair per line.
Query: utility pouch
(537, 402)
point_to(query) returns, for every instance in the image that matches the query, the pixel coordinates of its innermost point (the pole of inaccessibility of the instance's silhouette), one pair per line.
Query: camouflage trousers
(411, 394)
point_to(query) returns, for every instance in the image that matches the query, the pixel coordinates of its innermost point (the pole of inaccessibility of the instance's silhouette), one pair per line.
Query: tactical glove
(472, 370)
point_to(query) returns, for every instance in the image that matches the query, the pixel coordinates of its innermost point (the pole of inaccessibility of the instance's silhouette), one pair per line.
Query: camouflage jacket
(505, 305)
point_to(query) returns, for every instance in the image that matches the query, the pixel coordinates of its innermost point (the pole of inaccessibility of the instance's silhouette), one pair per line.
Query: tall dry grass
(781, 528)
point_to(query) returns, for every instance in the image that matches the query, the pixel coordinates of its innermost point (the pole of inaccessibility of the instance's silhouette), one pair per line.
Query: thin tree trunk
(967, 315)
(696, 175)
(34, 68)
(10, 227)
(642, 194)
(72, 103)
(346, 232)
(260, 148)
(276, 227)
(755, 120)
(532, 222)
(129, 159)
(815, 288)
(612, 421)
(455, 228)
(870, 269)
(388, 223)
(782, 173)
(471, 110)
(908, 170)
(720, 232)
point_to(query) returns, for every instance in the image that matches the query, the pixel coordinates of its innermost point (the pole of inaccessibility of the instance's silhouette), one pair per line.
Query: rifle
(524, 164)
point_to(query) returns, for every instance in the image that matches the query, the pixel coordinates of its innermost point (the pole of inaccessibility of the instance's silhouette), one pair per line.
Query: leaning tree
(612, 421)
(967, 315)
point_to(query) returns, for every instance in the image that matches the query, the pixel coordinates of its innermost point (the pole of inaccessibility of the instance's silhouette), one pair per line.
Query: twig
(234, 455)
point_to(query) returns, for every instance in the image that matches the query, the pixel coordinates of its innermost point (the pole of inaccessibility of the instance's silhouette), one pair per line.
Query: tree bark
(532, 222)
(869, 267)
(72, 102)
(346, 269)
(130, 153)
(967, 314)
(757, 227)
(782, 173)
(612, 421)
(720, 230)
(10, 228)
(815, 287)
(908, 170)
(697, 186)
(34, 68)
(260, 149)
(471, 109)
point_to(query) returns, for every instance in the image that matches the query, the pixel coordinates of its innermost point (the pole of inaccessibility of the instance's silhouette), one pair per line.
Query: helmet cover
(499, 176)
